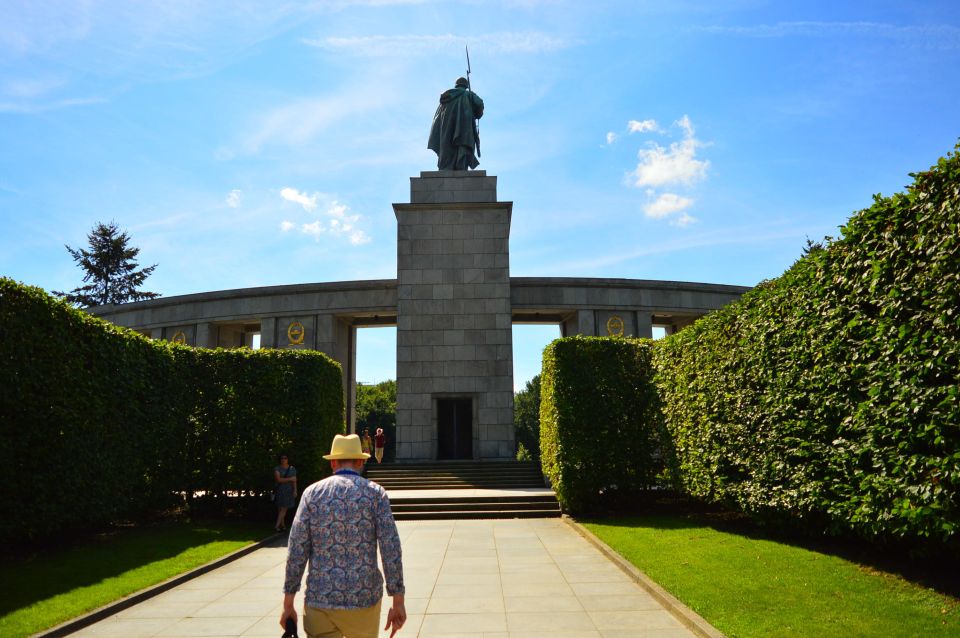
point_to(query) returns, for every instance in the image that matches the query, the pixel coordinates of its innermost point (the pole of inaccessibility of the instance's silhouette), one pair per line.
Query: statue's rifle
(476, 124)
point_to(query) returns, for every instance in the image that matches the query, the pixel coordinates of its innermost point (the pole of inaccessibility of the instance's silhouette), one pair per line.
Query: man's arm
(390, 554)
(389, 540)
(298, 552)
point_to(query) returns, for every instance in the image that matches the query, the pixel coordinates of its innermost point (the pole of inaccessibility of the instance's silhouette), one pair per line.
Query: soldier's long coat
(454, 135)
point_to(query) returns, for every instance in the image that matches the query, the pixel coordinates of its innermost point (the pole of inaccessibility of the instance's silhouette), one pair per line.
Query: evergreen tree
(111, 269)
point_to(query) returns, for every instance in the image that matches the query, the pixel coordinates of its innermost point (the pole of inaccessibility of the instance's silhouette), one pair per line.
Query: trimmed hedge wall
(828, 396)
(99, 422)
(601, 433)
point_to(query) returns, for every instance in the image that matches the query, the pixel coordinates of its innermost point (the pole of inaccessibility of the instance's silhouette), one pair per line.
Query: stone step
(435, 478)
(471, 505)
(457, 477)
(441, 506)
(431, 465)
(467, 514)
(457, 485)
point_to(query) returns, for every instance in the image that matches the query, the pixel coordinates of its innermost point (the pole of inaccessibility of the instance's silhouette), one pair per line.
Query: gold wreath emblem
(615, 326)
(296, 333)
(180, 338)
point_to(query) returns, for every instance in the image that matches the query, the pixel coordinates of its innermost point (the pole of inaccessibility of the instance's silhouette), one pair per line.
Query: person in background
(284, 491)
(379, 442)
(339, 525)
(366, 442)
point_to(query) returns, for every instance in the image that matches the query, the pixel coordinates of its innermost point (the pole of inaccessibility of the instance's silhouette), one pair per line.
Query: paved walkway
(527, 578)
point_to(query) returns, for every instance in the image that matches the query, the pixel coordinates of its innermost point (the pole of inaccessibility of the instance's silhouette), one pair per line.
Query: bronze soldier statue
(454, 135)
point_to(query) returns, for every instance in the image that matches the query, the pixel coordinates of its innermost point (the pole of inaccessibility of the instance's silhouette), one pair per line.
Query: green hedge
(601, 433)
(99, 422)
(830, 394)
(257, 403)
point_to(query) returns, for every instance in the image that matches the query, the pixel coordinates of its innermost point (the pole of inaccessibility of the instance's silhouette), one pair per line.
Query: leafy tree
(111, 269)
(526, 417)
(377, 408)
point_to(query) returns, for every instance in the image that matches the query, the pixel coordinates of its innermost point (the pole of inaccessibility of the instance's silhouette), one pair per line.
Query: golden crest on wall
(180, 338)
(615, 326)
(296, 333)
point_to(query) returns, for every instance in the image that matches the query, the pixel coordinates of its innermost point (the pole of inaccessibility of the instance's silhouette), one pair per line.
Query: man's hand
(397, 615)
(288, 611)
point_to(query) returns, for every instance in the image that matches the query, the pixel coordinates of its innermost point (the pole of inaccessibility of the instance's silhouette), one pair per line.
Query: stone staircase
(465, 489)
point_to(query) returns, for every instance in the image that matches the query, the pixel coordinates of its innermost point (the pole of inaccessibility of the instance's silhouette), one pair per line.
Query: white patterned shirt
(338, 525)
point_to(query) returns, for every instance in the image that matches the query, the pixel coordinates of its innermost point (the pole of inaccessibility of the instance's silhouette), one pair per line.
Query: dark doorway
(455, 428)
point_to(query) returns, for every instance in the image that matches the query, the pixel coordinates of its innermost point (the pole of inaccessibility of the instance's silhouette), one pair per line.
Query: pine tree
(111, 269)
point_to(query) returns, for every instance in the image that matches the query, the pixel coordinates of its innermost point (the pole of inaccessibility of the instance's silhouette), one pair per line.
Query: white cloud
(667, 204)
(338, 222)
(314, 228)
(234, 198)
(687, 126)
(683, 220)
(642, 126)
(674, 166)
(411, 45)
(677, 164)
(293, 195)
(611, 137)
(359, 237)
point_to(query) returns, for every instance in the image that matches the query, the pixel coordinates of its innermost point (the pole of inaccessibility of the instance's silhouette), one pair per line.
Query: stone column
(454, 329)
(581, 322)
(645, 324)
(268, 332)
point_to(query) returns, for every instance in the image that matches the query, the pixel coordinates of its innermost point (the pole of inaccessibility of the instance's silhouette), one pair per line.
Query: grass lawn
(43, 590)
(751, 586)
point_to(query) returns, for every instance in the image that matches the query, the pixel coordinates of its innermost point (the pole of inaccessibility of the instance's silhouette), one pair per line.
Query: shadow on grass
(45, 571)
(937, 568)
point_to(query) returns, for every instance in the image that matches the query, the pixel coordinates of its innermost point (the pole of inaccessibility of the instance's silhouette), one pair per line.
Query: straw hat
(346, 448)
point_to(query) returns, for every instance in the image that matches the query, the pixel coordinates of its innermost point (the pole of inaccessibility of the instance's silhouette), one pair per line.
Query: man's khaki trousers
(342, 623)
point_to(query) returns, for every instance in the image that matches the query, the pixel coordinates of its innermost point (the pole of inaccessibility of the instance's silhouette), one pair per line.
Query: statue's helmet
(462, 82)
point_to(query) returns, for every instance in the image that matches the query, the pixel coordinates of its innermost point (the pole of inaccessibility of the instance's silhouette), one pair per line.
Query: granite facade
(454, 317)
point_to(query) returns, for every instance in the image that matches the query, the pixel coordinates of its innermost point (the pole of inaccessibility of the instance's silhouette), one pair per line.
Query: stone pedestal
(454, 333)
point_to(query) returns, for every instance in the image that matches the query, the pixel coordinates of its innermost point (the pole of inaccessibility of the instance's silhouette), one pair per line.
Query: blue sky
(247, 144)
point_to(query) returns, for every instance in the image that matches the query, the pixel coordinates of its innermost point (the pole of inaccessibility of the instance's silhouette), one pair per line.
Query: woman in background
(285, 490)
(366, 443)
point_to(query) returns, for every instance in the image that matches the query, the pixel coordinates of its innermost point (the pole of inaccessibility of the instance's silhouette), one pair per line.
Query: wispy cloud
(683, 220)
(642, 126)
(611, 137)
(529, 42)
(933, 35)
(300, 122)
(738, 236)
(235, 198)
(666, 204)
(28, 107)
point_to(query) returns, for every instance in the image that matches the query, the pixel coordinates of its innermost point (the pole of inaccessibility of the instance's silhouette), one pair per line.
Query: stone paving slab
(501, 578)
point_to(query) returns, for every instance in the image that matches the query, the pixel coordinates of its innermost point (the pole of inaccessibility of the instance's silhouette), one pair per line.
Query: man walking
(337, 528)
